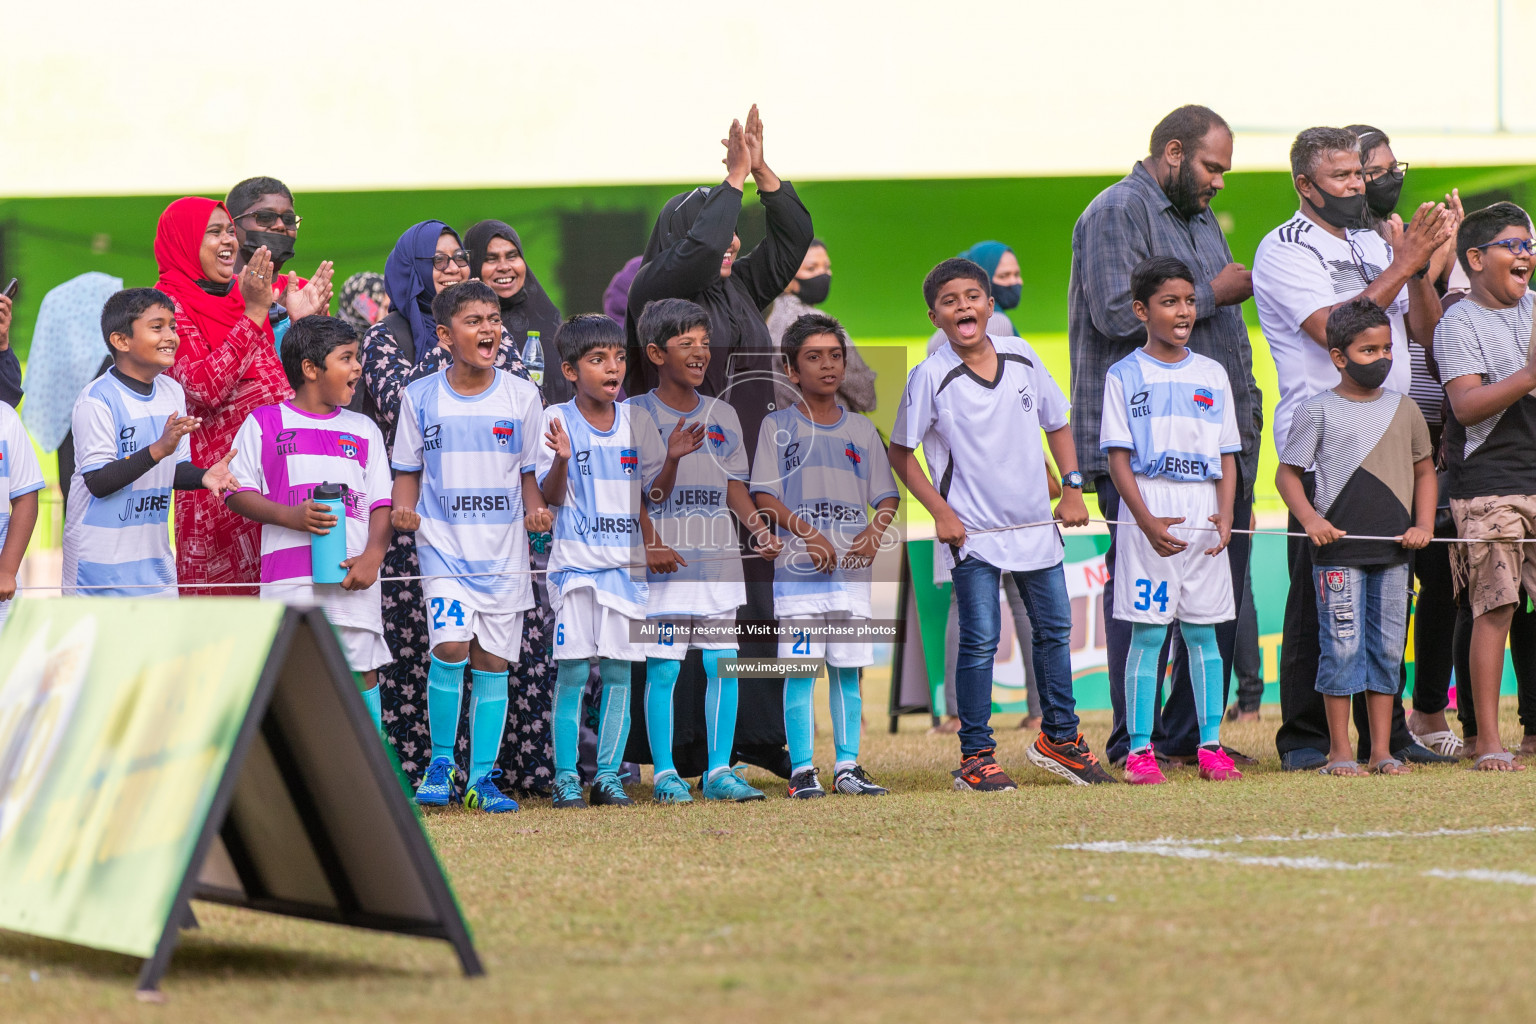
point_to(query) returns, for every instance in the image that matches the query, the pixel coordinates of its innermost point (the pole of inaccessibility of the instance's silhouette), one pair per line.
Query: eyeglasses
(269, 218)
(441, 260)
(1516, 246)
(1395, 172)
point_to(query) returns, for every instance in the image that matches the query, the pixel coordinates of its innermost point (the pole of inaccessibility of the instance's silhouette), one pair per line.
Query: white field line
(1481, 875)
(1297, 837)
(1199, 849)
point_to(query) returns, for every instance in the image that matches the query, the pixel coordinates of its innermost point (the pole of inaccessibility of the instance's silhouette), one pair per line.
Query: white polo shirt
(982, 442)
(1299, 269)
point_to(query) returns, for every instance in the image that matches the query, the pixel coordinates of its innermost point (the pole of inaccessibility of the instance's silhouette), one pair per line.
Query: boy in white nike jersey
(595, 459)
(819, 470)
(696, 606)
(1171, 435)
(282, 452)
(464, 457)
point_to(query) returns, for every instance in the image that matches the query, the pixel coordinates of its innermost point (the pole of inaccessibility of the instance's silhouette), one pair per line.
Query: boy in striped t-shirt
(596, 456)
(1171, 438)
(696, 606)
(464, 458)
(131, 450)
(819, 470)
(283, 452)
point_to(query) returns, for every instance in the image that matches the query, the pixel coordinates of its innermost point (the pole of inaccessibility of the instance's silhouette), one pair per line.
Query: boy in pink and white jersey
(284, 452)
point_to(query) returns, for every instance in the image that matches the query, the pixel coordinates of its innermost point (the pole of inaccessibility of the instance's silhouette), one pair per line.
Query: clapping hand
(176, 427)
(256, 285)
(684, 440)
(558, 441)
(738, 158)
(314, 297)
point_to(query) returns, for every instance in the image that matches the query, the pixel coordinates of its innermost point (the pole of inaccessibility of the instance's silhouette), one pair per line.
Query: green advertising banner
(117, 718)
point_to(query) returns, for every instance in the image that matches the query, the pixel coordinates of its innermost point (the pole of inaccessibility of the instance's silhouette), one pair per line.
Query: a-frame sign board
(310, 820)
(307, 816)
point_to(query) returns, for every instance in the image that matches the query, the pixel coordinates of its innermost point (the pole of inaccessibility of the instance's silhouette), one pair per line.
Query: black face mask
(1381, 194)
(1340, 211)
(1184, 192)
(814, 290)
(1007, 296)
(278, 244)
(1368, 375)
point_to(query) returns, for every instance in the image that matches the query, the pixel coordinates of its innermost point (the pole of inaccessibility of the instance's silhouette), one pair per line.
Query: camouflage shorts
(1494, 571)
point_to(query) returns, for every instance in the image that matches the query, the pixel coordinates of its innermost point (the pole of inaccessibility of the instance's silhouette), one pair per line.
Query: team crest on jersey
(854, 455)
(629, 461)
(716, 434)
(1335, 579)
(348, 444)
(504, 430)
(1204, 399)
(1026, 401)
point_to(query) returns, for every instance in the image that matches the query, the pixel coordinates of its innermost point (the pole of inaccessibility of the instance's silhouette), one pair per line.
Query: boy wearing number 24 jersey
(464, 458)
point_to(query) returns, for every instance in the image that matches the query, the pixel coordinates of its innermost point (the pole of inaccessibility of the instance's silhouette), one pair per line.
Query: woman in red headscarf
(228, 364)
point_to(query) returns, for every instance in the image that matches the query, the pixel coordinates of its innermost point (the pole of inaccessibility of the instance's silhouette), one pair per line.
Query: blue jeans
(1050, 610)
(1362, 626)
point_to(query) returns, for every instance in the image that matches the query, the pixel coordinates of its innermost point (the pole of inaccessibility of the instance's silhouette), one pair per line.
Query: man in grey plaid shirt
(1162, 208)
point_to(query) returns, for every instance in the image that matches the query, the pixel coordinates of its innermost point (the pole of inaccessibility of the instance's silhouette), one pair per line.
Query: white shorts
(714, 635)
(839, 653)
(586, 629)
(1190, 586)
(365, 649)
(452, 620)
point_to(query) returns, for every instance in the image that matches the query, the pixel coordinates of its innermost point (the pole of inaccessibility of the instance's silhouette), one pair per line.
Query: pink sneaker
(1216, 766)
(1142, 769)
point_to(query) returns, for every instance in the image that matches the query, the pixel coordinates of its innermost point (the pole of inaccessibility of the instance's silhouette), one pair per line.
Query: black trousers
(1434, 621)
(1175, 727)
(1303, 720)
(1247, 659)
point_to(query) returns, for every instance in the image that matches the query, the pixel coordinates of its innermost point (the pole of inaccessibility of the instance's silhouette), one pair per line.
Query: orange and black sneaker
(1071, 760)
(982, 773)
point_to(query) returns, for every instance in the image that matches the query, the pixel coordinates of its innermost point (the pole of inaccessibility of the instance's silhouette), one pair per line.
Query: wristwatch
(1073, 479)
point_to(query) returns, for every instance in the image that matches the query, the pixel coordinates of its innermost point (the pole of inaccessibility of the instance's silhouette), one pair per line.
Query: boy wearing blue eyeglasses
(1483, 346)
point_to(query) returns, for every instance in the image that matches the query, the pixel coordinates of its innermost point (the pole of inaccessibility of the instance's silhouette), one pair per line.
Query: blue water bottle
(533, 359)
(328, 550)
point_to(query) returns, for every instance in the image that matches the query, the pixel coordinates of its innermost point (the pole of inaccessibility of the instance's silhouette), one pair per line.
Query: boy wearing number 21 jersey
(464, 458)
(1171, 434)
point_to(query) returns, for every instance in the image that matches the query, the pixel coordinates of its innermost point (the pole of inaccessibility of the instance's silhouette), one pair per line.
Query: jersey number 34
(1145, 595)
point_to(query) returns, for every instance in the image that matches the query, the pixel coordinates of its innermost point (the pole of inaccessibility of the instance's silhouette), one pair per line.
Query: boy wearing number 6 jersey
(1170, 434)
(464, 458)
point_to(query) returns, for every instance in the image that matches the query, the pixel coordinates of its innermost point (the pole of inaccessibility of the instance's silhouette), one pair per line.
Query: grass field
(924, 906)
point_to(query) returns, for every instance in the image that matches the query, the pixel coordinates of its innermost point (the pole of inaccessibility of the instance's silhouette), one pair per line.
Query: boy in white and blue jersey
(131, 450)
(20, 480)
(595, 459)
(1171, 436)
(696, 606)
(464, 457)
(819, 470)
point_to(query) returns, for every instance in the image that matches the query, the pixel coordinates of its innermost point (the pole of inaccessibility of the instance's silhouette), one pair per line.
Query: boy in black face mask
(1374, 478)
(262, 209)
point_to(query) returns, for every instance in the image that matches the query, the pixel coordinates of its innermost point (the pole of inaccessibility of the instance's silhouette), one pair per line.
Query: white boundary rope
(641, 566)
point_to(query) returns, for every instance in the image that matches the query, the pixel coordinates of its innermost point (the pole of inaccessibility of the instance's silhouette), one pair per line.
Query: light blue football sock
(487, 720)
(613, 729)
(1141, 681)
(847, 710)
(660, 681)
(375, 712)
(445, 691)
(565, 718)
(719, 710)
(1206, 676)
(799, 721)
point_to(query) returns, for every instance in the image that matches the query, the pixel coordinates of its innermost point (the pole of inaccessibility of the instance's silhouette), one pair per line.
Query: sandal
(1346, 768)
(1444, 743)
(1390, 766)
(1503, 757)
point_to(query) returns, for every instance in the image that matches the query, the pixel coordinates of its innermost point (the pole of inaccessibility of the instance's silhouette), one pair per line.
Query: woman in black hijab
(693, 254)
(496, 257)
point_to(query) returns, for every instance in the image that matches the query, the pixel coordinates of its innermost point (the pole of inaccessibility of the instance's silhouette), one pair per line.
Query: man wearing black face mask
(1162, 208)
(1322, 257)
(262, 209)
(808, 289)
